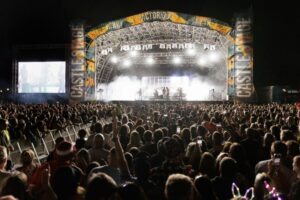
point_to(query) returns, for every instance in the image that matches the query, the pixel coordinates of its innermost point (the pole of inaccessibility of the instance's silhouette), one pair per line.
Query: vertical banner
(77, 63)
(243, 58)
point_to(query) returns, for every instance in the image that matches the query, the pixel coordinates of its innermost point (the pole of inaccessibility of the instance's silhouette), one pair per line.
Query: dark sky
(276, 28)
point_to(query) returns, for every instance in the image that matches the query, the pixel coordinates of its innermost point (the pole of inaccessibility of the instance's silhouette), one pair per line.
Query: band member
(155, 93)
(180, 93)
(165, 92)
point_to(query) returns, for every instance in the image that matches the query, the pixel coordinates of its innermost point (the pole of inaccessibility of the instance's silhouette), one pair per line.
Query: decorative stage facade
(162, 56)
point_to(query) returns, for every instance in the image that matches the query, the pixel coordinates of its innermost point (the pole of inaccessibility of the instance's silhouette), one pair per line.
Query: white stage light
(126, 63)
(202, 61)
(213, 56)
(191, 52)
(114, 59)
(176, 60)
(133, 53)
(150, 61)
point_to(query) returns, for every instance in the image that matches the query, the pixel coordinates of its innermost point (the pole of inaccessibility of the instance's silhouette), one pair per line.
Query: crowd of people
(172, 151)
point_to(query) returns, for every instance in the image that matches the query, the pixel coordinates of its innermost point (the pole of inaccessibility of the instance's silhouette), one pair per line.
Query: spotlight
(191, 52)
(202, 61)
(127, 63)
(176, 60)
(114, 59)
(133, 53)
(150, 60)
(213, 56)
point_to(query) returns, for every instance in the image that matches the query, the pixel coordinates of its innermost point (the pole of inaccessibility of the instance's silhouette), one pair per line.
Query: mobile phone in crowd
(199, 142)
(178, 130)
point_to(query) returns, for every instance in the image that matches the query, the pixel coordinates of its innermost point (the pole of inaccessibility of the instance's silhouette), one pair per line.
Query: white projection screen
(42, 77)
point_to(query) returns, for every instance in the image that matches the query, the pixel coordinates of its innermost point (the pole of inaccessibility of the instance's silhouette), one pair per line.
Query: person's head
(98, 141)
(3, 157)
(134, 151)
(296, 165)
(207, 165)
(112, 157)
(64, 151)
(59, 140)
(27, 157)
(186, 135)
(65, 181)
(179, 187)
(82, 133)
(83, 158)
(98, 127)
(286, 135)
(15, 185)
(217, 138)
(204, 187)
(202, 131)
(157, 135)
(124, 130)
(142, 166)
(228, 168)
(193, 130)
(131, 191)
(226, 146)
(141, 130)
(250, 133)
(172, 148)
(268, 139)
(100, 187)
(292, 148)
(135, 139)
(275, 131)
(278, 147)
(22, 124)
(90, 167)
(147, 136)
(124, 119)
(242, 129)
(237, 152)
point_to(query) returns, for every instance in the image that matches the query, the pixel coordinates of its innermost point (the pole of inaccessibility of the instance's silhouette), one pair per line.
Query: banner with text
(77, 63)
(243, 58)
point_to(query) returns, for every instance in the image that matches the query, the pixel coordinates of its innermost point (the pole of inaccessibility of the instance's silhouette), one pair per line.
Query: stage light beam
(202, 61)
(191, 52)
(214, 56)
(133, 53)
(176, 60)
(114, 59)
(126, 63)
(150, 61)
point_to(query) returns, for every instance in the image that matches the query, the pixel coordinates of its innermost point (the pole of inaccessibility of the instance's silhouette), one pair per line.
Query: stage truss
(154, 33)
(155, 28)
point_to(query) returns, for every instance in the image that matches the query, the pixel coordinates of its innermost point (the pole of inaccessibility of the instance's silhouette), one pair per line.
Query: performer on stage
(180, 93)
(140, 93)
(155, 94)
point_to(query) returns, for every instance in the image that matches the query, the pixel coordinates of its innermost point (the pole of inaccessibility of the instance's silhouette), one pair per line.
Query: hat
(64, 148)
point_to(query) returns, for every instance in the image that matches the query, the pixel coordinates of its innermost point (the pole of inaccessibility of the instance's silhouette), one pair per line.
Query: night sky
(276, 28)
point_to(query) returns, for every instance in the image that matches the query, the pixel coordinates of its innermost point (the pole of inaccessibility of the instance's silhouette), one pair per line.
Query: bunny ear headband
(249, 194)
(272, 191)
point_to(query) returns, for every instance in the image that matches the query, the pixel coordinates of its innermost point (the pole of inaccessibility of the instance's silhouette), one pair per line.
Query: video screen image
(42, 77)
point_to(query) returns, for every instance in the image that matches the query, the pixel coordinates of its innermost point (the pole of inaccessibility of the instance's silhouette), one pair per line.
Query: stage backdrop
(239, 59)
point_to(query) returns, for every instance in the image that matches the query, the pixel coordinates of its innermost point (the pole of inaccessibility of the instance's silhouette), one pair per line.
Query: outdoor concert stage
(152, 56)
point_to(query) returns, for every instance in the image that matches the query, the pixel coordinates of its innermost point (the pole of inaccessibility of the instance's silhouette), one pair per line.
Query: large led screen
(42, 77)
